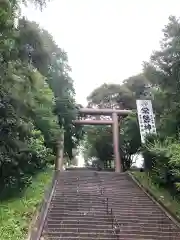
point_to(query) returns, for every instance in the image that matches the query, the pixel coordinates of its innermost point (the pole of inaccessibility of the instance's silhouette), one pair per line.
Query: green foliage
(163, 73)
(130, 134)
(161, 194)
(111, 96)
(161, 153)
(16, 214)
(130, 140)
(162, 160)
(98, 142)
(36, 146)
(36, 99)
(52, 62)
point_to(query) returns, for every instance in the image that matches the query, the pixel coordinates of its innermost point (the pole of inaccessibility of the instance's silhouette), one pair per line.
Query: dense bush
(162, 161)
(19, 165)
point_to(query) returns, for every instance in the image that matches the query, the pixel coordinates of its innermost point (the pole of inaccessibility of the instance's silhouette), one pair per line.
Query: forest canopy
(37, 99)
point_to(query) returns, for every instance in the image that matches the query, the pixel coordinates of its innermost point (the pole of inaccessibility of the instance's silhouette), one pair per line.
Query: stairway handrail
(113, 219)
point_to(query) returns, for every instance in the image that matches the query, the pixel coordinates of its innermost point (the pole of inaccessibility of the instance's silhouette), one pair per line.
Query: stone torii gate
(114, 123)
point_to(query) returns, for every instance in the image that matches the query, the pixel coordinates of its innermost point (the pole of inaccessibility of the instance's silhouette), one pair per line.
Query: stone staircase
(104, 205)
(78, 209)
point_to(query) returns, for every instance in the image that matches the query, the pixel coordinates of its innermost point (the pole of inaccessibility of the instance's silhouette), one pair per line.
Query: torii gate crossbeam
(114, 122)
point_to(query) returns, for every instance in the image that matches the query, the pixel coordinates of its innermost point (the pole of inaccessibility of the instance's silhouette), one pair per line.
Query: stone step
(127, 227)
(79, 238)
(79, 234)
(80, 209)
(64, 229)
(75, 222)
(127, 220)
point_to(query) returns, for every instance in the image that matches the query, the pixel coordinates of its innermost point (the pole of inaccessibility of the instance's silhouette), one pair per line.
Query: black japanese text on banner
(145, 118)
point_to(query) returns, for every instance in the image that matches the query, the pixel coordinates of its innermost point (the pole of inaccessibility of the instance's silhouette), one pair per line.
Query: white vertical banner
(145, 118)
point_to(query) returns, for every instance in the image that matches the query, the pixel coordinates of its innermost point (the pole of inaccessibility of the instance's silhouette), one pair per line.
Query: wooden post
(60, 153)
(117, 157)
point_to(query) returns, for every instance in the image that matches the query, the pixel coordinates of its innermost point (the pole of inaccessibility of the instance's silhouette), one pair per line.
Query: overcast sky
(106, 40)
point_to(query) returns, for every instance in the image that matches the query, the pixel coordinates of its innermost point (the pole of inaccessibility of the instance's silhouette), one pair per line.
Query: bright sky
(106, 40)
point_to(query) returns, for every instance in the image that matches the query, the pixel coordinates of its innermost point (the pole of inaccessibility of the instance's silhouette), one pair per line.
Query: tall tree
(163, 73)
(37, 45)
(98, 141)
(32, 69)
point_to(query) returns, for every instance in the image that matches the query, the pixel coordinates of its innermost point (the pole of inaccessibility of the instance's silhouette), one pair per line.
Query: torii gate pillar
(115, 129)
